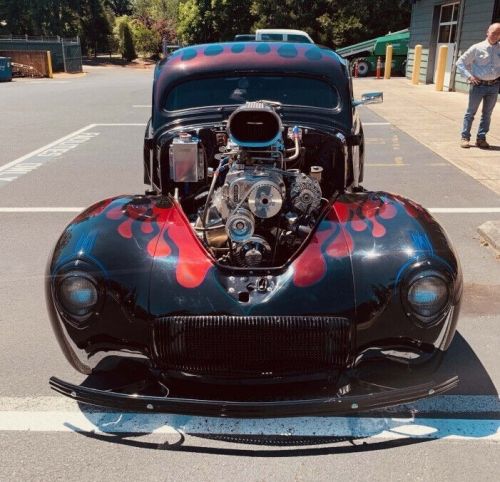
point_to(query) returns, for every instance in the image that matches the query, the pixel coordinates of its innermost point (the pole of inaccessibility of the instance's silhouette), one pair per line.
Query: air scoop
(254, 124)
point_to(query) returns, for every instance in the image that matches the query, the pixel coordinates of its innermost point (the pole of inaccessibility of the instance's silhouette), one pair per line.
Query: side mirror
(370, 98)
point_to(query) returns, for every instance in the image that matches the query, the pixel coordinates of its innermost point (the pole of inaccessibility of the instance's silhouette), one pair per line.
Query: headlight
(427, 296)
(78, 294)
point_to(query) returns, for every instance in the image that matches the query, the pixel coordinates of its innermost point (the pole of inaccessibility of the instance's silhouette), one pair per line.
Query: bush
(124, 38)
(128, 50)
(146, 40)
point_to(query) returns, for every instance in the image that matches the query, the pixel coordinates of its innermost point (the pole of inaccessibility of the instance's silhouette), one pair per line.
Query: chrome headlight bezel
(82, 271)
(443, 306)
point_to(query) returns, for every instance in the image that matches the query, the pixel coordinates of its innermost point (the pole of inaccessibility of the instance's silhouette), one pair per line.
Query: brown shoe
(482, 144)
(465, 143)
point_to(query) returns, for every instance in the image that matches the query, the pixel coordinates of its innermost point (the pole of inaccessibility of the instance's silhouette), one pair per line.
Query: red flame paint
(341, 212)
(387, 211)
(125, 229)
(193, 264)
(115, 213)
(158, 246)
(378, 231)
(341, 246)
(310, 266)
(358, 224)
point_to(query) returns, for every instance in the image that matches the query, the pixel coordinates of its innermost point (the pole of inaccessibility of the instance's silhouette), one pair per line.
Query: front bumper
(338, 405)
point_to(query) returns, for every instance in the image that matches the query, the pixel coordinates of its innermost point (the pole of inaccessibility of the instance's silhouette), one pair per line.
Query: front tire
(363, 68)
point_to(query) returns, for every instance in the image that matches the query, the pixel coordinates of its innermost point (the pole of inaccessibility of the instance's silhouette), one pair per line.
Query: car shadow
(305, 436)
(272, 443)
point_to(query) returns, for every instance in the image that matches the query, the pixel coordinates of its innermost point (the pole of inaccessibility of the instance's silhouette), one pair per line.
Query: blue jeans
(488, 94)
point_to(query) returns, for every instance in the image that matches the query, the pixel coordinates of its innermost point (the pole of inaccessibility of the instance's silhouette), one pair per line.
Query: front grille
(233, 346)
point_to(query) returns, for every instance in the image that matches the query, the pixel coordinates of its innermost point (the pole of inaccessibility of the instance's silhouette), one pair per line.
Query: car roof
(275, 57)
(240, 58)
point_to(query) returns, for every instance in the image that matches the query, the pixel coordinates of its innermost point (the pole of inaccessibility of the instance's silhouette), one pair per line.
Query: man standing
(480, 65)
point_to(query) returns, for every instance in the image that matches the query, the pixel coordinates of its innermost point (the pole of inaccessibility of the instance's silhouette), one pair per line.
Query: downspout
(453, 74)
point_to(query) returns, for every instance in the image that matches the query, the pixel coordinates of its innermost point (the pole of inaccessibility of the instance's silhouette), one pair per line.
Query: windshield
(238, 90)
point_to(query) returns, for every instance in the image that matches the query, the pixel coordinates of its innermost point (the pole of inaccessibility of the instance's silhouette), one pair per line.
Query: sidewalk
(435, 120)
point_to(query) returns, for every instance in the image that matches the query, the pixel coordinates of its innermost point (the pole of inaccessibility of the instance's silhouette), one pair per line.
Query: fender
(389, 238)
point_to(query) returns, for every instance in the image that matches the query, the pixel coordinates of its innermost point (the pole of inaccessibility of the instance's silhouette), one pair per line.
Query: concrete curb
(490, 232)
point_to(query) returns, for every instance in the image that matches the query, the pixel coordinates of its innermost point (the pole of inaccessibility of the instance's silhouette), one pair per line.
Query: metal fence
(66, 52)
(31, 63)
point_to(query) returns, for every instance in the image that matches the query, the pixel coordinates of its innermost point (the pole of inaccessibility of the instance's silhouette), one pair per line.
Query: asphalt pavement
(70, 142)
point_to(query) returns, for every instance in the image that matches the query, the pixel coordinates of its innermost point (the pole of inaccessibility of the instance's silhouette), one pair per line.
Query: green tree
(194, 25)
(231, 17)
(147, 41)
(128, 52)
(154, 23)
(55, 17)
(18, 16)
(95, 28)
(334, 22)
(213, 20)
(120, 7)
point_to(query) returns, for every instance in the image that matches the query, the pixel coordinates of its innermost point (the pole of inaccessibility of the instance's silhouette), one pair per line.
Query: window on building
(496, 12)
(448, 23)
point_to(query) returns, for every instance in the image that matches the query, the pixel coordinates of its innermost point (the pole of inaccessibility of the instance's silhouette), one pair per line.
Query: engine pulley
(265, 199)
(252, 252)
(240, 225)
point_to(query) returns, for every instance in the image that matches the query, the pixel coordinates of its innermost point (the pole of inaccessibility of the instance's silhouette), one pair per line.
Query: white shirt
(482, 60)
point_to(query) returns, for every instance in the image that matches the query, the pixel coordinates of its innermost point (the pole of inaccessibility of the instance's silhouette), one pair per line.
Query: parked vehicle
(276, 35)
(366, 53)
(256, 277)
(282, 35)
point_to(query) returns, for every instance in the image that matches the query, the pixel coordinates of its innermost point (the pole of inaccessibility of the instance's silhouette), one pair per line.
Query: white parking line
(29, 162)
(139, 124)
(41, 210)
(142, 106)
(7, 166)
(65, 415)
(464, 210)
(376, 123)
(46, 82)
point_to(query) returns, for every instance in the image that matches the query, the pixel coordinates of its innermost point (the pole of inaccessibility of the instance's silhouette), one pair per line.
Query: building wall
(423, 30)
(478, 14)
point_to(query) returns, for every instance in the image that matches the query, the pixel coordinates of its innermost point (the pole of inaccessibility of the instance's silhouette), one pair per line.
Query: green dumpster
(5, 69)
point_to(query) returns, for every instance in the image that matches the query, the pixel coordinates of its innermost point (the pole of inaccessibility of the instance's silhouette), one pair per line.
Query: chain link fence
(66, 53)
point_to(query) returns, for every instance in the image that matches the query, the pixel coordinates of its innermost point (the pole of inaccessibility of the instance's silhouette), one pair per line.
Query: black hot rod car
(256, 276)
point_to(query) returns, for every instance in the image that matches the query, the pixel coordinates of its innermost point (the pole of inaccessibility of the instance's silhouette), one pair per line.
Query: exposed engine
(261, 205)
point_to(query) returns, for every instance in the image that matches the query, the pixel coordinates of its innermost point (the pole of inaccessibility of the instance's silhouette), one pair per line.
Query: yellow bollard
(388, 62)
(49, 64)
(441, 66)
(417, 60)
